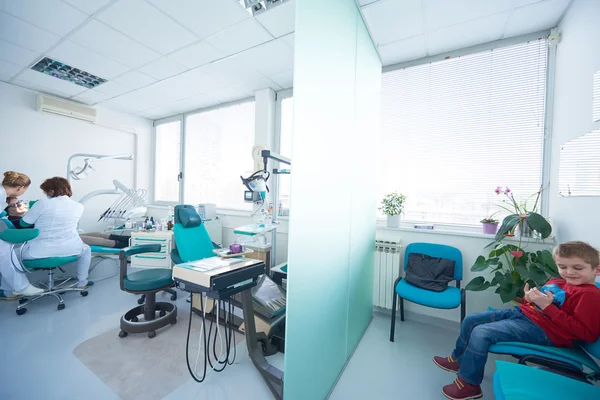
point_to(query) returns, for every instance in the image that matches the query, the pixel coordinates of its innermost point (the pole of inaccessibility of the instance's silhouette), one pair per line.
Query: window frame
(548, 109)
(155, 124)
(279, 97)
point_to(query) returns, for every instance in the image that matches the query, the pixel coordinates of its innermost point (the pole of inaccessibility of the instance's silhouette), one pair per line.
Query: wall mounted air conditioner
(66, 108)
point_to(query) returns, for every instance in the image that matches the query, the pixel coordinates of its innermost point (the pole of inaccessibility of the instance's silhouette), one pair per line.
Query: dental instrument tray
(226, 253)
(221, 277)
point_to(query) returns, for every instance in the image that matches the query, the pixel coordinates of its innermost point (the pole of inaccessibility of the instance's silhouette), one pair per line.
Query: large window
(218, 149)
(454, 130)
(167, 145)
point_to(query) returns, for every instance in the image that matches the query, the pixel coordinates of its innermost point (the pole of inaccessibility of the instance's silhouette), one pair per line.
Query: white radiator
(387, 270)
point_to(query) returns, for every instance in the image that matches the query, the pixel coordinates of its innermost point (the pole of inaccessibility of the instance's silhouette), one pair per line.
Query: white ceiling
(163, 57)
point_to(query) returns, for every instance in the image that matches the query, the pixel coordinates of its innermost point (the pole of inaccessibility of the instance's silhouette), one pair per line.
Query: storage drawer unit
(160, 259)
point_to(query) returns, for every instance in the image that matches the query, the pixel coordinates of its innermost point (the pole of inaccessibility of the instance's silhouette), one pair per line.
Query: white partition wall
(332, 224)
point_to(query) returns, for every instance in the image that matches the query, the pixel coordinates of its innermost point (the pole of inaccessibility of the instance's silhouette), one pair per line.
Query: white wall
(39, 145)
(578, 58)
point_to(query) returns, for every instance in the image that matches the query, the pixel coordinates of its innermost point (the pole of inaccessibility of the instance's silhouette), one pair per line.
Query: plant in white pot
(392, 205)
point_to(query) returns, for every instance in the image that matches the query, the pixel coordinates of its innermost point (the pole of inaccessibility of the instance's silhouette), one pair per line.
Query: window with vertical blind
(454, 130)
(285, 148)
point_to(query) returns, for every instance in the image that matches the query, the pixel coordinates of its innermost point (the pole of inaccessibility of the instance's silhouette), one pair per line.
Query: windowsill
(455, 231)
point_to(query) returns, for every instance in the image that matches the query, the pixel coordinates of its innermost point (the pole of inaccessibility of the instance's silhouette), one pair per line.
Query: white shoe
(30, 290)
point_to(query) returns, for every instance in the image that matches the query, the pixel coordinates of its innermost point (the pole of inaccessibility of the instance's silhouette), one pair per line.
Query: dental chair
(192, 241)
(451, 297)
(573, 362)
(147, 282)
(17, 238)
(516, 382)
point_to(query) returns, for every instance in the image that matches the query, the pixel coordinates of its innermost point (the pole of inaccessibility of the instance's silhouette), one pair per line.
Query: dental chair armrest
(19, 235)
(131, 251)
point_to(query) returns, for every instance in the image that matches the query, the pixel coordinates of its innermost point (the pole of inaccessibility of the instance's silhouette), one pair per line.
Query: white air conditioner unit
(66, 108)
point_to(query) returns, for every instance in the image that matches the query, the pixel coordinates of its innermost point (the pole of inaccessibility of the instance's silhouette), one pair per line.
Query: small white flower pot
(393, 221)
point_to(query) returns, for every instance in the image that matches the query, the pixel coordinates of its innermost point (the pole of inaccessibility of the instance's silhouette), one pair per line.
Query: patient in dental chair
(105, 240)
(15, 210)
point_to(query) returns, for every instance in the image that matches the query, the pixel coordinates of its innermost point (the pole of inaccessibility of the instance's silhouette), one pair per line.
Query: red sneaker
(461, 390)
(446, 363)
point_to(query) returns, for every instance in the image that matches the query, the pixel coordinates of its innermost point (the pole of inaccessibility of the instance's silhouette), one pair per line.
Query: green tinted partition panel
(332, 220)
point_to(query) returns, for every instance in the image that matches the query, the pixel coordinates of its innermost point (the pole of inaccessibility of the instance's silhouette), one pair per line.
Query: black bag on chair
(429, 273)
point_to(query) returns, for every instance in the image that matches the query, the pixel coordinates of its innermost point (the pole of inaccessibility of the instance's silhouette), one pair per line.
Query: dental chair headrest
(187, 216)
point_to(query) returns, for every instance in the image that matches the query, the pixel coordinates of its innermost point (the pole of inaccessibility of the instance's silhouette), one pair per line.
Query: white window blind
(579, 173)
(167, 161)
(285, 148)
(454, 130)
(218, 149)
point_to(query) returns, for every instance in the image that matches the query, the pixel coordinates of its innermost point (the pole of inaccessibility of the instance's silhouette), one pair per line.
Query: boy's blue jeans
(481, 330)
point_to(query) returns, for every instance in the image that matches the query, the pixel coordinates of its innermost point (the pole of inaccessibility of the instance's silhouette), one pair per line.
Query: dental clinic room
(299, 199)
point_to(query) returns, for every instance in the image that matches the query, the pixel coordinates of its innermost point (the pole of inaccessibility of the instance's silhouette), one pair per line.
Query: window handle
(180, 176)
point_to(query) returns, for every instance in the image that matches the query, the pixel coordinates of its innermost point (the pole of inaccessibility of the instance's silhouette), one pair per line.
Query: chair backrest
(593, 348)
(191, 238)
(437, 251)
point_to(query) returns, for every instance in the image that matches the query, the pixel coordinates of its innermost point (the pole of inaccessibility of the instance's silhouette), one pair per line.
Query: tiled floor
(38, 363)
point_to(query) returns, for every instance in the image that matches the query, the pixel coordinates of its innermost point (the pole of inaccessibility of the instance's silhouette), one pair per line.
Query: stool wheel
(21, 311)
(174, 297)
(151, 334)
(173, 322)
(140, 301)
(61, 306)
(83, 293)
(134, 319)
(122, 334)
(22, 300)
(162, 313)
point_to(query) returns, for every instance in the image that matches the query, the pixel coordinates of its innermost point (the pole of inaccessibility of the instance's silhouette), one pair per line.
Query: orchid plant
(511, 265)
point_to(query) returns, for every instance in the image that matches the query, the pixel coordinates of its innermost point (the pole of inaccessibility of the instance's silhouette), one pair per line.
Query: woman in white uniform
(57, 217)
(14, 184)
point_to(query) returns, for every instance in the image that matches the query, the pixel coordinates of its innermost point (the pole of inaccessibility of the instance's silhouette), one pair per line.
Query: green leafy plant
(510, 267)
(490, 220)
(522, 216)
(393, 204)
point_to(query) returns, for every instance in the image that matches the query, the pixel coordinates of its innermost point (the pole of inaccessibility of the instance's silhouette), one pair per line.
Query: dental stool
(18, 238)
(146, 282)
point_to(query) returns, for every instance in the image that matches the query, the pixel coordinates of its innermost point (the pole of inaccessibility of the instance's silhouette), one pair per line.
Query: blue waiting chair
(450, 298)
(573, 362)
(516, 382)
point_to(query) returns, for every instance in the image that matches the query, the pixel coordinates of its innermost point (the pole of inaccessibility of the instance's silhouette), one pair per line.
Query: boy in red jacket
(561, 312)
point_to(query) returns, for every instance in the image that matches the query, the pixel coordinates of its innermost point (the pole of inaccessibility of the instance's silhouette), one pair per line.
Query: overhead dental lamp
(257, 186)
(78, 173)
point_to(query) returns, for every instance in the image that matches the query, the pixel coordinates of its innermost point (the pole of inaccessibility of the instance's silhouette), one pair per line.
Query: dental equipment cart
(220, 279)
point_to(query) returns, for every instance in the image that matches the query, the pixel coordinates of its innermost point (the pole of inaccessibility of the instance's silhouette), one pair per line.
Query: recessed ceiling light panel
(67, 73)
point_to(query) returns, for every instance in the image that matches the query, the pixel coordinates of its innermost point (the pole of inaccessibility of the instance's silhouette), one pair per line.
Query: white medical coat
(3, 203)
(57, 220)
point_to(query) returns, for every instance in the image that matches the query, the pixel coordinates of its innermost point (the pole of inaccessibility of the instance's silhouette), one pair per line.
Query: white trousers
(11, 278)
(83, 263)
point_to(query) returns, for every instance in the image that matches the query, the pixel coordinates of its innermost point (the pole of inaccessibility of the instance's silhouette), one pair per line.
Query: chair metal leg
(393, 327)
(463, 305)
(401, 309)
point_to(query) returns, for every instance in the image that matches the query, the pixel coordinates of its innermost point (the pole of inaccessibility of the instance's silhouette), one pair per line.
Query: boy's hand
(540, 299)
(527, 297)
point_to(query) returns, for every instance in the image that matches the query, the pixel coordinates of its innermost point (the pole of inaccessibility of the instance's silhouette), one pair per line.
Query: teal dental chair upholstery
(192, 241)
(147, 282)
(572, 362)
(516, 382)
(17, 238)
(450, 298)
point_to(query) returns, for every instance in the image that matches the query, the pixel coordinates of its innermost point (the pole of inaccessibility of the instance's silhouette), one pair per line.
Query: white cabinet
(161, 259)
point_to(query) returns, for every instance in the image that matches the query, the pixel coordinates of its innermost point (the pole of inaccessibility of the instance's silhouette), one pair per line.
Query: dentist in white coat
(13, 184)
(56, 217)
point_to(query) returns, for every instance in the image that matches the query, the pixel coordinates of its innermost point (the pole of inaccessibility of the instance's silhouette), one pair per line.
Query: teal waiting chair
(18, 238)
(574, 362)
(516, 382)
(147, 282)
(451, 297)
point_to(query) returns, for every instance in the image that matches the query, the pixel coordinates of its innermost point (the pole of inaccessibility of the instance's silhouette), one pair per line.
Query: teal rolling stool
(18, 238)
(146, 282)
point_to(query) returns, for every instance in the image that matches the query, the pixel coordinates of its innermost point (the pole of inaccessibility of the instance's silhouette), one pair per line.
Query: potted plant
(510, 267)
(392, 205)
(490, 225)
(522, 218)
